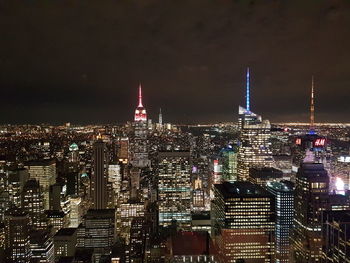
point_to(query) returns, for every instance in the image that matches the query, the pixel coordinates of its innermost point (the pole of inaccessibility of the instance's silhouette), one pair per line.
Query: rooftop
(239, 189)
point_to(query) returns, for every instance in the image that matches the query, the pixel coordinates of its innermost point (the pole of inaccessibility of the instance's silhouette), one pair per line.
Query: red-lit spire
(140, 96)
(140, 112)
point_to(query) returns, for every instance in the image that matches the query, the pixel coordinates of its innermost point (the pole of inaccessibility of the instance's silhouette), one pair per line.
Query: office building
(65, 241)
(97, 231)
(174, 188)
(243, 222)
(336, 236)
(41, 247)
(45, 172)
(17, 244)
(262, 175)
(311, 198)
(284, 208)
(32, 203)
(99, 176)
(16, 181)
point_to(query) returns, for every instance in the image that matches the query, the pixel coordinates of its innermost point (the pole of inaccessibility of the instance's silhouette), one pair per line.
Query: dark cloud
(81, 61)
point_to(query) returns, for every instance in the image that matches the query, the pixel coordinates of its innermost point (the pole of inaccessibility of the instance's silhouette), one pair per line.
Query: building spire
(160, 121)
(312, 106)
(140, 96)
(248, 91)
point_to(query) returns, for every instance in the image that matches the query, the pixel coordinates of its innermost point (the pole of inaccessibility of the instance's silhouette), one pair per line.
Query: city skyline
(89, 73)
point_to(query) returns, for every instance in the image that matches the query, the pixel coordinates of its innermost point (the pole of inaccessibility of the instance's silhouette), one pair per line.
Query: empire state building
(138, 143)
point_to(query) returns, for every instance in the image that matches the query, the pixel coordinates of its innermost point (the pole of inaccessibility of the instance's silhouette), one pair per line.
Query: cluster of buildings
(153, 192)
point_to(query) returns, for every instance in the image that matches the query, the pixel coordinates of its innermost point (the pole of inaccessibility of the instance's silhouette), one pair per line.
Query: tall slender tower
(312, 106)
(248, 91)
(160, 117)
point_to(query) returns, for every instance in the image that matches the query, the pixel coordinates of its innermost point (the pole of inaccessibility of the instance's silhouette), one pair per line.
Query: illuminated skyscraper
(228, 158)
(32, 203)
(243, 222)
(99, 176)
(97, 232)
(138, 143)
(311, 198)
(254, 148)
(284, 203)
(45, 172)
(140, 112)
(17, 245)
(174, 188)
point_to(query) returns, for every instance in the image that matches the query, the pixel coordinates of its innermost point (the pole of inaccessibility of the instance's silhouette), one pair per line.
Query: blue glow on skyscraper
(248, 92)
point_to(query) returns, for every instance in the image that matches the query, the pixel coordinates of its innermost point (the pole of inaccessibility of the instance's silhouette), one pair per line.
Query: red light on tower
(140, 112)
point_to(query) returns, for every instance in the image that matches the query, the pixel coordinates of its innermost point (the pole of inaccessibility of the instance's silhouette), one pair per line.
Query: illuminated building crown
(140, 112)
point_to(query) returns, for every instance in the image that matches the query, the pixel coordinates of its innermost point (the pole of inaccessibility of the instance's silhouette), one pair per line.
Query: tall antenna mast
(248, 91)
(312, 106)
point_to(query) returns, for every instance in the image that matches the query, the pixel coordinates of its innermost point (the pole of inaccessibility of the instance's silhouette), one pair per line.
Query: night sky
(81, 61)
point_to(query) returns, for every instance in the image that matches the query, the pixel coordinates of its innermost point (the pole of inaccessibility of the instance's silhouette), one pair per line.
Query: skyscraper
(32, 203)
(243, 222)
(284, 198)
(138, 143)
(45, 172)
(97, 232)
(17, 245)
(336, 236)
(254, 148)
(174, 188)
(99, 176)
(311, 198)
(140, 112)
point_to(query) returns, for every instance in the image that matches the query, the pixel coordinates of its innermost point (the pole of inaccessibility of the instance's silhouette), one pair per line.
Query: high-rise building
(284, 207)
(45, 172)
(174, 188)
(311, 198)
(97, 232)
(41, 247)
(99, 176)
(336, 236)
(16, 181)
(254, 148)
(32, 203)
(123, 150)
(65, 241)
(243, 222)
(138, 143)
(115, 178)
(76, 211)
(228, 159)
(125, 214)
(17, 245)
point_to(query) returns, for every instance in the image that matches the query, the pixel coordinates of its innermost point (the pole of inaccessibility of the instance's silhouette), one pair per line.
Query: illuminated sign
(344, 159)
(320, 142)
(298, 141)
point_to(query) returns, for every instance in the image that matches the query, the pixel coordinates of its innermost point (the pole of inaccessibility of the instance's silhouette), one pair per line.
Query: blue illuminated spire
(248, 92)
